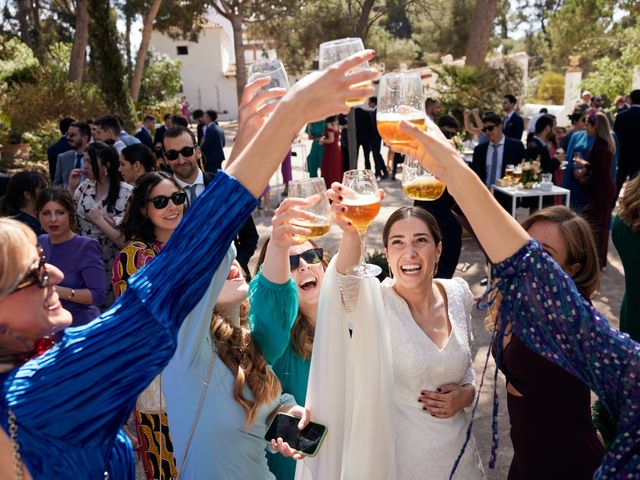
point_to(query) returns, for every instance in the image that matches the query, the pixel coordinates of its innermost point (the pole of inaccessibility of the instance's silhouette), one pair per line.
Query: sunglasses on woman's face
(36, 275)
(161, 201)
(185, 152)
(311, 256)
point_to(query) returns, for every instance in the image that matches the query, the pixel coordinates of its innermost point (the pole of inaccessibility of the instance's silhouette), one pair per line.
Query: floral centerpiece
(531, 172)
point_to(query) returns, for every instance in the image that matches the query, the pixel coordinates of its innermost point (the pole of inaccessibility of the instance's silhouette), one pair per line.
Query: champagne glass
(418, 183)
(400, 98)
(270, 68)
(312, 188)
(360, 197)
(336, 50)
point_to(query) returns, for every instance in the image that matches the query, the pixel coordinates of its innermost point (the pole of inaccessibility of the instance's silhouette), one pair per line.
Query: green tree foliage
(160, 81)
(551, 89)
(17, 62)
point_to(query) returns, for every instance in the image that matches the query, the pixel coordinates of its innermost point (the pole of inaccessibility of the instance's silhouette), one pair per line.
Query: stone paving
(472, 269)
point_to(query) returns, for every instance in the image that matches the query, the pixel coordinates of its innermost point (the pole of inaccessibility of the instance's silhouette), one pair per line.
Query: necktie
(494, 165)
(78, 162)
(192, 193)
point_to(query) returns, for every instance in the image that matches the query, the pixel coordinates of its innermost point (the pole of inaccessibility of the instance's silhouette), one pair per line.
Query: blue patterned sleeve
(545, 309)
(92, 378)
(273, 311)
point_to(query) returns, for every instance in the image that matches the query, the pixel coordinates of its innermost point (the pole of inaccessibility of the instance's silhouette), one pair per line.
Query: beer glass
(418, 183)
(360, 197)
(508, 172)
(399, 98)
(336, 50)
(313, 188)
(269, 68)
(517, 175)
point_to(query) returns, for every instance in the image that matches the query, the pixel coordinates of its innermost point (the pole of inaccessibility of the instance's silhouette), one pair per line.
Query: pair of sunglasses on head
(311, 257)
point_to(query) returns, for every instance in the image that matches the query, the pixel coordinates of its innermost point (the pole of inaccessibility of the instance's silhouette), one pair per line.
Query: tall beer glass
(418, 183)
(399, 98)
(315, 189)
(336, 50)
(270, 68)
(363, 204)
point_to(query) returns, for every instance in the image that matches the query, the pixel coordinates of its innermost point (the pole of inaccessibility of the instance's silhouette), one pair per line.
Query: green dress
(314, 160)
(627, 243)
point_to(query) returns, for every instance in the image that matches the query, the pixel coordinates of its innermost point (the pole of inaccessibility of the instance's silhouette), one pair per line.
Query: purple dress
(80, 259)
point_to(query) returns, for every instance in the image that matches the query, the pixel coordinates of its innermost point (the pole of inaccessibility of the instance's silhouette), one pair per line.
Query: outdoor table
(515, 193)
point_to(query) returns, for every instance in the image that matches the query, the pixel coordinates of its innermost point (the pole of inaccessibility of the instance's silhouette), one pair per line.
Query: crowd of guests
(197, 353)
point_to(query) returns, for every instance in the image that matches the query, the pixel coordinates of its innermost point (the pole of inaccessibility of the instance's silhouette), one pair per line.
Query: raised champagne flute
(418, 183)
(313, 188)
(336, 50)
(269, 68)
(400, 97)
(361, 199)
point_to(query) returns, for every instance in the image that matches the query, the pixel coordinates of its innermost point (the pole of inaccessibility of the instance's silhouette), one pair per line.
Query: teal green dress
(627, 243)
(292, 371)
(314, 160)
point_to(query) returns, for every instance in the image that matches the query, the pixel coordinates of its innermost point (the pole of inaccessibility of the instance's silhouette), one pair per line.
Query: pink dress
(331, 169)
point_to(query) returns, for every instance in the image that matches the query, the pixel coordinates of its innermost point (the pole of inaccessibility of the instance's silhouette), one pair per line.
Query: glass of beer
(508, 173)
(418, 183)
(336, 50)
(269, 68)
(313, 189)
(360, 197)
(516, 176)
(399, 98)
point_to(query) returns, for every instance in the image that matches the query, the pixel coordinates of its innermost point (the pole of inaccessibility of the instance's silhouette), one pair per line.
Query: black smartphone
(306, 441)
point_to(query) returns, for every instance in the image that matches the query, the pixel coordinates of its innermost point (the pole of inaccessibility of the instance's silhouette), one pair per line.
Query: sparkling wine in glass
(315, 189)
(336, 50)
(269, 68)
(399, 98)
(420, 184)
(361, 199)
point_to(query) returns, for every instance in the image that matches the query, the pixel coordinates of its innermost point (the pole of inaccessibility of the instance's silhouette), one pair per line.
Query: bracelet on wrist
(72, 294)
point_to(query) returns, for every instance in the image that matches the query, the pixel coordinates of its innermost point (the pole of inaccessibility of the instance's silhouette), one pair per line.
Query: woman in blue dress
(542, 304)
(62, 411)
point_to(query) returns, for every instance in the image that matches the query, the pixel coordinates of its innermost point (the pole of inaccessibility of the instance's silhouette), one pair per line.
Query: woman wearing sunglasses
(306, 267)
(61, 411)
(155, 210)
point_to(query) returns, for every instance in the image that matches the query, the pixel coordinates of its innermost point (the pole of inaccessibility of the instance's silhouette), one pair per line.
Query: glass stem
(363, 247)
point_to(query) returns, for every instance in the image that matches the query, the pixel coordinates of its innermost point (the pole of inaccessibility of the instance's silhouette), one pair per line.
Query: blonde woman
(626, 238)
(601, 185)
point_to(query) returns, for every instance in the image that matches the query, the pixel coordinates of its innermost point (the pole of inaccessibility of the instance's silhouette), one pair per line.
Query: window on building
(183, 50)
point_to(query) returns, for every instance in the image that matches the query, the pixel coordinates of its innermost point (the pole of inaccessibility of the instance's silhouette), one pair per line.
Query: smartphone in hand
(306, 441)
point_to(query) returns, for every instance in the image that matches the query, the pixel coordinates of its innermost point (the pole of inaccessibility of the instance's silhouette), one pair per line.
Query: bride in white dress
(404, 414)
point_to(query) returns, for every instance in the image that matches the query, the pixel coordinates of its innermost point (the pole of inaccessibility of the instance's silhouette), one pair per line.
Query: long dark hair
(61, 196)
(135, 223)
(19, 184)
(139, 152)
(108, 156)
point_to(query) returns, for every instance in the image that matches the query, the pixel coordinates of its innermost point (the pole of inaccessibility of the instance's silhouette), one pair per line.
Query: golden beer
(516, 176)
(424, 188)
(354, 102)
(361, 210)
(389, 127)
(317, 230)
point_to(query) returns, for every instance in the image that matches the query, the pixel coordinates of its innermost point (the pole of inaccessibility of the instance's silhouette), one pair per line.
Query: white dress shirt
(198, 182)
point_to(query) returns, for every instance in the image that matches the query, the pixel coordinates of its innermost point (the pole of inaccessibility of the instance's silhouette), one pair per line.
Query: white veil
(351, 387)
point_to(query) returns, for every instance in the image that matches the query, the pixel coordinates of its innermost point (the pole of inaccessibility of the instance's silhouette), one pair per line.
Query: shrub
(551, 88)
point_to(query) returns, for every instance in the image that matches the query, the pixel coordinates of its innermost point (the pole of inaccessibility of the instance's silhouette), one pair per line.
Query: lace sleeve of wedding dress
(349, 290)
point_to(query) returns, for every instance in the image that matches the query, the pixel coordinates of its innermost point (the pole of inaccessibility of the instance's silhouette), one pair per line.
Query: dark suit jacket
(364, 127)
(536, 149)
(212, 148)
(247, 240)
(627, 128)
(4, 182)
(513, 153)
(145, 138)
(66, 162)
(159, 135)
(200, 132)
(514, 127)
(53, 151)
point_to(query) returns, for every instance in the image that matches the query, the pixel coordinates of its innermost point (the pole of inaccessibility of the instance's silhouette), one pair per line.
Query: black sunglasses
(489, 128)
(311, 256)
(36, 275)
(185, 152)
(161, 201)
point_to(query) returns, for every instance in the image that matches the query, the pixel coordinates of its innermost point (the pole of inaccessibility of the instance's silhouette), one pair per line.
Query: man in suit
(376, 141)
(538, 149)
(198, 117)
(183, 155)
(157, 138)
(144, 134)
(627, 128)
(364, 133)
(512, 125)
(212, 143)
(107, 130)
(491, 158)
(61, 146)
(78, 136)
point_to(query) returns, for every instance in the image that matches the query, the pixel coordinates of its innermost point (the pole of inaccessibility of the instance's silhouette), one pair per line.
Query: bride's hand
(337, 194)
(447, 400)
